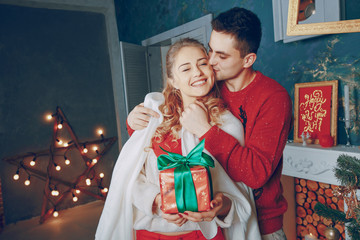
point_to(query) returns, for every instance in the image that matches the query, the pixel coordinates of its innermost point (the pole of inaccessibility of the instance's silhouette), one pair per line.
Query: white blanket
(117, 219)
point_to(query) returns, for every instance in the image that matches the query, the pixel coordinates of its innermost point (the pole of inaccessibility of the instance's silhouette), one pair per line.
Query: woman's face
(192, 74)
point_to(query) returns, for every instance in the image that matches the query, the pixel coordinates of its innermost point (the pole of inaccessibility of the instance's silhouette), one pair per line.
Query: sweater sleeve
(129, 129)
(255, 163)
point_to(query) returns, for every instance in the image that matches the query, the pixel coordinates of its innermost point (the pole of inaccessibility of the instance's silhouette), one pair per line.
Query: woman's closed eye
(185, 69)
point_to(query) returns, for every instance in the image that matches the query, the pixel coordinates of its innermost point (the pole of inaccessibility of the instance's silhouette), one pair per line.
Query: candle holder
(347, 130)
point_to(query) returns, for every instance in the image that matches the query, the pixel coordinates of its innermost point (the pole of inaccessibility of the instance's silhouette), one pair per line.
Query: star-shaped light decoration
(59, 187)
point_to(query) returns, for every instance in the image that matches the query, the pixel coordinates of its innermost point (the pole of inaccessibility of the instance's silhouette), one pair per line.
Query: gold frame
(334, 107)
(294, 29)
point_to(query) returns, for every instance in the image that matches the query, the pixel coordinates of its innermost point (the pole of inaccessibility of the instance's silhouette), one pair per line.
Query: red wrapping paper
(202, 188)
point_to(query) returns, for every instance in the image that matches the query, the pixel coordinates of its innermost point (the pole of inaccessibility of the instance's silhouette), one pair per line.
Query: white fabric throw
(117, 219)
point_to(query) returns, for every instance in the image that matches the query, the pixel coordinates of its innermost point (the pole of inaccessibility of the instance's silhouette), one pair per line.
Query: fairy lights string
(61, 155)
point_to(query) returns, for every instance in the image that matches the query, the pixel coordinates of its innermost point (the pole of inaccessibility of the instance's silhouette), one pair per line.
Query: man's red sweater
(265, 109)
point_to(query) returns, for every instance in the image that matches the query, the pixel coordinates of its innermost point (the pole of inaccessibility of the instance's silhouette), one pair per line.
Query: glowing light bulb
(32, 163)
(66, 144)
(60, 142)
(85, 150)
(88, 181)
(67, 161)
(95, 148)
(27, 182)
(57, 167)
(49, 117)
(101, 175)
(105, 189)
(55, 213)
(60, 126)
(94, 161)
(75, 199)
(55, 192)
(77, 191)
(100, 131)
(16, 176)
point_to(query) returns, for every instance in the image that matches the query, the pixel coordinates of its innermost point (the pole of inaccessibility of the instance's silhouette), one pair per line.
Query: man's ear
(249, 60)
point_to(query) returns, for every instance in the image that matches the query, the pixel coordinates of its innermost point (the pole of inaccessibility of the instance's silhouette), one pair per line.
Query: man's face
(224, 58)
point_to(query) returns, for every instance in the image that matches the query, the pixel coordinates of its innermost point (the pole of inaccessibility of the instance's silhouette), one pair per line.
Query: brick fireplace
(308, 178)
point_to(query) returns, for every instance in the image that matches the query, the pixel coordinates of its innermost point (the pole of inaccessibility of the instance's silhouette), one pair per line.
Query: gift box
(185, 181)
(201, 183)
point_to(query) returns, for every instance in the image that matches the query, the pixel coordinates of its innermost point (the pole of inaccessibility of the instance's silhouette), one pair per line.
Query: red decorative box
(202, 188)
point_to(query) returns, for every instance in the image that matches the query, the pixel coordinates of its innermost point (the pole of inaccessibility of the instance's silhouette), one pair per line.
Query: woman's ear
(249, 60)
(173, 82)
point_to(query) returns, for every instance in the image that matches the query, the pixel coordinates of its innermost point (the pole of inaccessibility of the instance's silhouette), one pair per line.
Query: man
(263, 106)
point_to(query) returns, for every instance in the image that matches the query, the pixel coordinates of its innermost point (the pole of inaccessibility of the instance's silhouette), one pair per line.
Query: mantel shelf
(314, 162)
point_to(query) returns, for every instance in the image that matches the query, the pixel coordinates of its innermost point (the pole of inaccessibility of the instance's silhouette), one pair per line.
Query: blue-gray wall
(328, 57)
(50, 58)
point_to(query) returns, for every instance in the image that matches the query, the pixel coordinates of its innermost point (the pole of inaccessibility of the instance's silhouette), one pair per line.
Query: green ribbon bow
(184, 185)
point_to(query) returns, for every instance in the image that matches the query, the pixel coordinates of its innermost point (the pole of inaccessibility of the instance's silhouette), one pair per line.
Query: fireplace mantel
(314, 162)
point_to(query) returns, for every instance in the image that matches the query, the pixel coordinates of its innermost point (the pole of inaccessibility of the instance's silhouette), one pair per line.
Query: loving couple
(245, 122)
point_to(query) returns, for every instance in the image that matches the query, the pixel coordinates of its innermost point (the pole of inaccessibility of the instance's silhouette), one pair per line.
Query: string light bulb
(60, 126)
(75, 198)
(101, 175)
(88, 181)
(16, 175)
(106, 190)
(55, 213)
(66, 144)
(67, 161)
(49, 117)
(100, 131)
(85, 150)
(77, 191)
(60, 142)
(94, 161)
(27, 181)
(55, 192)
(32, 163)
(57, 167)
(95, 148)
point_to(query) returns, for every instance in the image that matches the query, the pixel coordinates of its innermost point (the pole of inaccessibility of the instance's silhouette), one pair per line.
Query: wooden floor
(78, 223)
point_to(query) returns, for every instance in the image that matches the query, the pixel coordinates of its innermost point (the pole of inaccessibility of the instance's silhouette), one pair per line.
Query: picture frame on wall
(315, 110)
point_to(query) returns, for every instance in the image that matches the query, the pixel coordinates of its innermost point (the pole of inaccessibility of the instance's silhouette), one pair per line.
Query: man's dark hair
(242, 24)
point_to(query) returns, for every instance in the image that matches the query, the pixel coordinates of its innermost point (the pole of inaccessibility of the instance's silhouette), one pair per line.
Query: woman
(134, 196)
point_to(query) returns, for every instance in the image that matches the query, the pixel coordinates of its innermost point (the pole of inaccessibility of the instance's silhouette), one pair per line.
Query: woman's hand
(140, 116)
(220, 206)
(175, 218)
(171, 218)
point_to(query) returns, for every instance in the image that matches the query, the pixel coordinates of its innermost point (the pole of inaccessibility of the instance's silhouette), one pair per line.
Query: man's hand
(140, 116)
(220, 206)
(195, 119)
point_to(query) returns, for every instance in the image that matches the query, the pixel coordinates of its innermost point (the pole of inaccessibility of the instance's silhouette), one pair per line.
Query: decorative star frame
(58, 187)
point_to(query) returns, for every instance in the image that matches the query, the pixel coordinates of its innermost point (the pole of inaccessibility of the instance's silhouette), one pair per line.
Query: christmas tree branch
(329, 213)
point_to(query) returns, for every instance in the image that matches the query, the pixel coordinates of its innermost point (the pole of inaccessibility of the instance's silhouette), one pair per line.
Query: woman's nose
(197, 71)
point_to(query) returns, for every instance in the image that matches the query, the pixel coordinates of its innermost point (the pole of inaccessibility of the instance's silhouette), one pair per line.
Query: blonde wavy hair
(173, 105)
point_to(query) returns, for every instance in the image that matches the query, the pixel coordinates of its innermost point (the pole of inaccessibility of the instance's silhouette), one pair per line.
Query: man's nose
(212, 59)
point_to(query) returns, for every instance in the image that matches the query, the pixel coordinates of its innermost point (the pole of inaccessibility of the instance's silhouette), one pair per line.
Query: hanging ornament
(332, 233)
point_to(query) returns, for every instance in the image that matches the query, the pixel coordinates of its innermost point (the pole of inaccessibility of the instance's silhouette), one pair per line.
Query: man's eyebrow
(219, 52)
